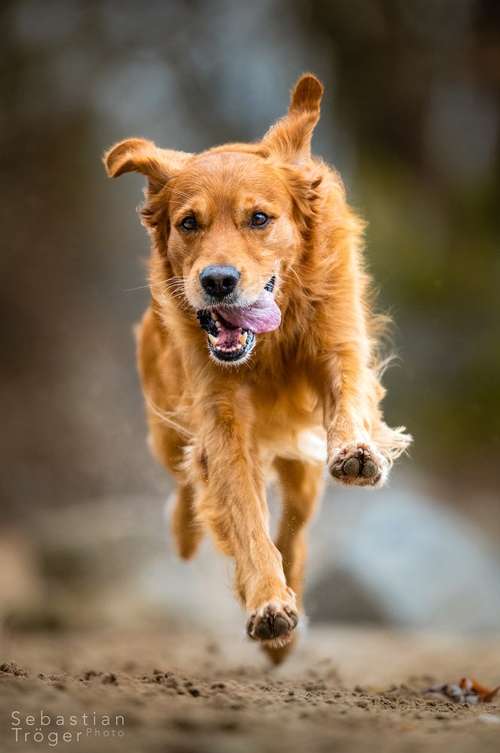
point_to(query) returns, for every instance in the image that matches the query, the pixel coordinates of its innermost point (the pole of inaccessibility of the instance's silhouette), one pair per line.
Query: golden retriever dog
(258, 351)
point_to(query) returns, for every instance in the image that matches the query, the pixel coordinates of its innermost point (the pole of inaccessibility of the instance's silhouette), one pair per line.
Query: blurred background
(411, 118)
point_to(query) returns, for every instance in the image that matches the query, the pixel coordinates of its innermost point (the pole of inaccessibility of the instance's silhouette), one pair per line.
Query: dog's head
(226, 222)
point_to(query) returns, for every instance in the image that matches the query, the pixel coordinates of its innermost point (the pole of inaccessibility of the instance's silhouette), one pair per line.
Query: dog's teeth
(212, 339)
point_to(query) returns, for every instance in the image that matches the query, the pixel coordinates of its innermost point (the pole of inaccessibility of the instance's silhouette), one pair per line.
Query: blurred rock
(422, 564)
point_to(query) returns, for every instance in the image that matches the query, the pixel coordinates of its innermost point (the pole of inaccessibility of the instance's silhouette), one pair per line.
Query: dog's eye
(188, 223)
(259, 219)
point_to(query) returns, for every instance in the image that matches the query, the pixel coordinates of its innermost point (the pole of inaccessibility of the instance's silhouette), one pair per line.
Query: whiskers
(133, 290)
(174, 287)
(289, 273)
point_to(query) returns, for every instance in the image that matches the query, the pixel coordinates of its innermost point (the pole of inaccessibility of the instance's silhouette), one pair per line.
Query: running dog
(258, 352)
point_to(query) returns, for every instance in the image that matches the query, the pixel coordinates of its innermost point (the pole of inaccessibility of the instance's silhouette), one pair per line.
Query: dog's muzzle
(231, 330)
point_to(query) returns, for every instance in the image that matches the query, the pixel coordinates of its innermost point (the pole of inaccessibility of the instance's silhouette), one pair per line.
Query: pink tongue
(262, 316)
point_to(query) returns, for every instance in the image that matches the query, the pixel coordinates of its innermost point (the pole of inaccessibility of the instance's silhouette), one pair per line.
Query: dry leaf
(468, 691)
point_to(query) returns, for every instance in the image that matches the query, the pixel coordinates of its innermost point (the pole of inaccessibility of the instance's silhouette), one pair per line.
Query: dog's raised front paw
(359, 464)
(272, 624)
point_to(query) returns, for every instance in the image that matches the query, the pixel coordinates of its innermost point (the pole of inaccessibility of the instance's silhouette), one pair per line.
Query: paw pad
(357, 465)
(272, 623)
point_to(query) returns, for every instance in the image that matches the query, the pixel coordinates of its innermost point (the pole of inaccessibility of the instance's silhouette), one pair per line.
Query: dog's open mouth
(232, 330)
(226, 342)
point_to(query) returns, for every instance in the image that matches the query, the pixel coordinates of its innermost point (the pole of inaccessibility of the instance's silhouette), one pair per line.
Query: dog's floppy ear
(290, 137)
(142, 156)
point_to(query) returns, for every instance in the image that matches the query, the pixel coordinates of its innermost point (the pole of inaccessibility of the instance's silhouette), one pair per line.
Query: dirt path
(345, 690)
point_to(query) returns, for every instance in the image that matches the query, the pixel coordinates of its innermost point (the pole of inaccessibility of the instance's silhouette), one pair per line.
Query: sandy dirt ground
(164, 689)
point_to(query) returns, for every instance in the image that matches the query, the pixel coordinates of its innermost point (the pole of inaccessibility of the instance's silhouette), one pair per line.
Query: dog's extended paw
(359, 464)
(273, 624)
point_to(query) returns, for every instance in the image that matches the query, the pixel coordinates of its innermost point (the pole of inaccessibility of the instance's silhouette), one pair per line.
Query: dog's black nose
(219, 281)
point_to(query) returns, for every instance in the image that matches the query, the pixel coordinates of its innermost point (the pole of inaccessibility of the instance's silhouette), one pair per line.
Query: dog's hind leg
(169, 437)
(186, 530)
(168, 447)
(301, 484)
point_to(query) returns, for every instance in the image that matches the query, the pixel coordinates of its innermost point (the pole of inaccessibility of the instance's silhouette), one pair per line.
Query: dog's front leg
(232, 505)
(361, 447)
